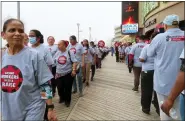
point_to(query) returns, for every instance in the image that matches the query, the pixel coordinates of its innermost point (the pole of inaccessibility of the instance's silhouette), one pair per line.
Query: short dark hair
(38, 35)
(9, 21)
(73, 37)
(142, 37)
(153, 35)
(92, 42)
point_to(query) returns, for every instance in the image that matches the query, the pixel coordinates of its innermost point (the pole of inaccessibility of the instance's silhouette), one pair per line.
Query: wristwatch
(50, 106)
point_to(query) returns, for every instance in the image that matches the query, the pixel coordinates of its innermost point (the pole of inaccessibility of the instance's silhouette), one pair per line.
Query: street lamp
(89, 34)
(18, 9)
(78, 26)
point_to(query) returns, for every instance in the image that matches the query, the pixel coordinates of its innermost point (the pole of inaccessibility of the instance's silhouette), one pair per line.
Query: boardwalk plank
(109, 97)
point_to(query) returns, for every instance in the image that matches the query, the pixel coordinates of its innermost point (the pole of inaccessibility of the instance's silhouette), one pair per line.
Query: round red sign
(73, 50)
(62, 60)
(101, 43)
(116, 44)
(11, 79)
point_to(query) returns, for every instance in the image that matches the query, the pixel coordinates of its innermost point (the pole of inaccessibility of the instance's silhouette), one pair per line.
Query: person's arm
(179, 84)
(131, 54)
(83, 56)
(43, 76)
(154, 45)
(143, 55)
(74, 66)
(176, 90)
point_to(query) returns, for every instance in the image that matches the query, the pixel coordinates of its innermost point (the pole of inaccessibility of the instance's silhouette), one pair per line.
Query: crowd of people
(31, 75)
(156, 61)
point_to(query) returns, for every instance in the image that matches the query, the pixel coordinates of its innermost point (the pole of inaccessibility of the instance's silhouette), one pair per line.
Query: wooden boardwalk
(109, 97)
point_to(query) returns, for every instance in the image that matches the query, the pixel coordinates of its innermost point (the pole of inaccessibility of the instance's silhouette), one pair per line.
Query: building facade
(117, 33)
(153, 13)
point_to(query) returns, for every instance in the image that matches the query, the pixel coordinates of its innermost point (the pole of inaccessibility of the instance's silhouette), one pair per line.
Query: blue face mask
(32, 40)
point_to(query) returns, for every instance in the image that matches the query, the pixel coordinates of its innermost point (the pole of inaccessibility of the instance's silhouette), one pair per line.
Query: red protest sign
(101, 43)
(116, 44)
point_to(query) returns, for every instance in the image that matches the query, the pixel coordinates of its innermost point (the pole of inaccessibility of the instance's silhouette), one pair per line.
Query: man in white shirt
(166, 49)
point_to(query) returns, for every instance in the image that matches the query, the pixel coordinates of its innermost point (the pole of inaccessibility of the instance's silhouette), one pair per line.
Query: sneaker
(135, 89)
(61, 101)
(74, 92)
(81, 94)
(146, 111)
(67, 104)
(87, 84)
(92, 79)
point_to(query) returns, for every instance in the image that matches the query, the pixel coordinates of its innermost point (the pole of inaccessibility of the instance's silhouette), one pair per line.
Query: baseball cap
(171, 20)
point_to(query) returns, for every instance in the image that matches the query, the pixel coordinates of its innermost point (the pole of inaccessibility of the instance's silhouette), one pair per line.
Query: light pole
(89, 34)
(78, 26)
(18, 9)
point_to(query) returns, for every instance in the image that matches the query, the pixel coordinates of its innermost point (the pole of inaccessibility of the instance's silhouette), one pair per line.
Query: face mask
(32, 40)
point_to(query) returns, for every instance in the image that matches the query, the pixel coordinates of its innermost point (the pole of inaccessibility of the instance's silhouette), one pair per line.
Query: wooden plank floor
(109, 97)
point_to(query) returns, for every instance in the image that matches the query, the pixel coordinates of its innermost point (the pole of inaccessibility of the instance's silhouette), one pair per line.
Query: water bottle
(172, 112)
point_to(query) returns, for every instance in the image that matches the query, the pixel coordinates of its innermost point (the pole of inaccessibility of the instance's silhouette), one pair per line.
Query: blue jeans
(126, 59)
(182, 109)
(80, 83)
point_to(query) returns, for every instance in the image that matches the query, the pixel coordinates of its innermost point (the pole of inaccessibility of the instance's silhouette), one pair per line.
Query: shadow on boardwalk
(109, 97)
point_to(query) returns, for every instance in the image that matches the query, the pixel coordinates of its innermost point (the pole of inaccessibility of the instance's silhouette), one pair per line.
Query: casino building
(152, 14)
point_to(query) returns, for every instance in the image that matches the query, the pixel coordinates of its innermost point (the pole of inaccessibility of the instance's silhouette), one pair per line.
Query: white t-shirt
(100, 52)
(45, 53)
(21, 77)
(149, 61)
(136, 51)
(89, 54)
(77, 50)
(53, 49)
(63, 62)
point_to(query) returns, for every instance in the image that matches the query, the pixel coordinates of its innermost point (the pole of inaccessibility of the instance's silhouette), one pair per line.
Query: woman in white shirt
(87, 60)
(36, 40)
(21, 98)
(65, 72)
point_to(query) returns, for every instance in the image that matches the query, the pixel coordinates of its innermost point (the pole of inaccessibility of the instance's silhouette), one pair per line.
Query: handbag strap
(70, 57)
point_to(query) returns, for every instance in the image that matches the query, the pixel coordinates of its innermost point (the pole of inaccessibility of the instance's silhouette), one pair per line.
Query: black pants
(64, 85)
(146, 89)
(53, 81)
(155, 102)
(117, 56)
(93, 71)
(46, 115)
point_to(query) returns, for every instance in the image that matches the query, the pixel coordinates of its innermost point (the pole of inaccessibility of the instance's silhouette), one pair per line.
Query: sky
(59, 19)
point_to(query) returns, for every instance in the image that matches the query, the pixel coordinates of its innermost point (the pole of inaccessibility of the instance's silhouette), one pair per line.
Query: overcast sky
(60, 19)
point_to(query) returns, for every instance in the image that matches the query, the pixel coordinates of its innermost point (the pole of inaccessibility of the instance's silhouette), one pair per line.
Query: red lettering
(180, 38)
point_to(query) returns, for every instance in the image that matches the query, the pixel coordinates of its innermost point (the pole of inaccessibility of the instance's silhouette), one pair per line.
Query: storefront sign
(152, 22)
(129, 17)
(129, 28)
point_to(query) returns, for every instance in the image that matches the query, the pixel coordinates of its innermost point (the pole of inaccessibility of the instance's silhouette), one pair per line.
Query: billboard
(129, 17)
